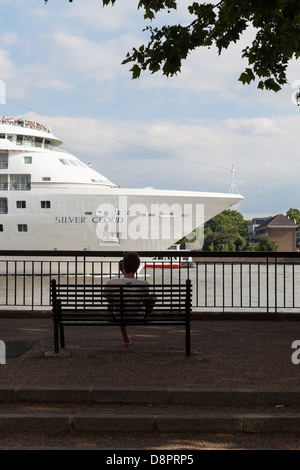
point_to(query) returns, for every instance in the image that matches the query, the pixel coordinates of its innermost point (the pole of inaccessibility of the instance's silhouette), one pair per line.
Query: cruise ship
(51, 200)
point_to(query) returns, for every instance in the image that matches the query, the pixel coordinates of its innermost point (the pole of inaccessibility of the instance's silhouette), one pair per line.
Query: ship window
(27, 160)
(3, 161)
(22, 227)
(2, 136)
(38, 142)
(63, 161)
(28, 140)
(3, 182)
(1, 228)
(3, 205)
(20, 182)
(45, 204)
(21, 204)
(46, 178)
(19, 139)
(166, 214)
(73, 163)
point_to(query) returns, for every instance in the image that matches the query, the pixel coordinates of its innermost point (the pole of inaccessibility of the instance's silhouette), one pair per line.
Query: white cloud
(90, 60)
(91, 14)
(196, 156)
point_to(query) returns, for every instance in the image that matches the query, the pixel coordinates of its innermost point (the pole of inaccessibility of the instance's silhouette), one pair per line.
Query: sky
(60, 65)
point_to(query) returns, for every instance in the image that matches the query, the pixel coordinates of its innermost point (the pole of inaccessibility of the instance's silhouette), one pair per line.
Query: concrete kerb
(204, 397)
(205, 423)
(242, 421)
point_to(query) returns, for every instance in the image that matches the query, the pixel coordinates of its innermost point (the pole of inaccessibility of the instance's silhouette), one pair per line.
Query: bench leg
(56, 338)
(187, 340)
(62, 336)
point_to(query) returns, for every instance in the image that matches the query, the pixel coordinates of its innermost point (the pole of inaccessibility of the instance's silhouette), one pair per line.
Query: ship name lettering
(70, 220)
(107, 220)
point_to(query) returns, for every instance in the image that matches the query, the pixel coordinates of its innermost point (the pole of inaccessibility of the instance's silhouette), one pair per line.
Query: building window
(1, 228)
(22, 227)
(45, 204)
(46, 178)
(27, 160)
(21, 204)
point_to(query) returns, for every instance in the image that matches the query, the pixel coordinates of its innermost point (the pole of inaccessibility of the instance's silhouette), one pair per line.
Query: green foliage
(294, 214)
(277, 37)
(266, 244)
(228, 232)
(277, 40)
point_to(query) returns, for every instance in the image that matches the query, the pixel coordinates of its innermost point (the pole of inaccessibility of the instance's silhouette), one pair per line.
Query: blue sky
(61, 64)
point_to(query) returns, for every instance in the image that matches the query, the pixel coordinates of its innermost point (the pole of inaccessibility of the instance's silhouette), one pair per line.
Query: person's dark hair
(131, 262)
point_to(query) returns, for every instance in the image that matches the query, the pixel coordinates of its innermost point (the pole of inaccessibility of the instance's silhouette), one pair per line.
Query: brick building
(280, 229)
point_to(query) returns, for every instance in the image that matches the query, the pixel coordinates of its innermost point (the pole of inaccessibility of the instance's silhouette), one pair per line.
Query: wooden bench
(90, 305)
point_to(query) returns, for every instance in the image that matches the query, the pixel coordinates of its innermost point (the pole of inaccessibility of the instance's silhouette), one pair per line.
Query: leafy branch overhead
(276, 26)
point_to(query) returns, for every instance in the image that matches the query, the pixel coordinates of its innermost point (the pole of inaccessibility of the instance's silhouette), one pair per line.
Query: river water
(232, 286)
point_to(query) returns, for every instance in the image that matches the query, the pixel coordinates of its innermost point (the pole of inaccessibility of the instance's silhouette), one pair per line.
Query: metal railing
(222, 281)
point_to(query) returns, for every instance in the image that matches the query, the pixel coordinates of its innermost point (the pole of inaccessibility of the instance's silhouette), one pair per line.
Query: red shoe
(127, 341)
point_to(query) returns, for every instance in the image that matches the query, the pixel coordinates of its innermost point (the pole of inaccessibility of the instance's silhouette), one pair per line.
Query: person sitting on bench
(143, 303)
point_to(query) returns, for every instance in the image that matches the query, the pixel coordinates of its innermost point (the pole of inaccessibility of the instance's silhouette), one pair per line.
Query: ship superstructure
(51, 200)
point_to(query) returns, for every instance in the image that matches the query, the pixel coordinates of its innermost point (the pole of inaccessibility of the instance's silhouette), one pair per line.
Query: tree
(266, 244)
(294, 214)
(226, 232)
(276, 26)
(229, 219)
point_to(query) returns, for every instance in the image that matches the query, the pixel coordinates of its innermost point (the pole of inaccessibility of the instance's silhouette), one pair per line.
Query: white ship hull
(50, 200)
(72, 223)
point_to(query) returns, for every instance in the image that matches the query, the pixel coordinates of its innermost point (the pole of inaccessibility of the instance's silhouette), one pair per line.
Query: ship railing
(223, 282)
(20, 186)
(24, 123)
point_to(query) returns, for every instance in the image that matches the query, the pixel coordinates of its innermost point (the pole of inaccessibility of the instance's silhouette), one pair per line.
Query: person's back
(135, 293)
(137, 289)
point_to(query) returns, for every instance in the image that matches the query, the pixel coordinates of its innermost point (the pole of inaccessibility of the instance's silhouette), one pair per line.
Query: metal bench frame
(88, 305)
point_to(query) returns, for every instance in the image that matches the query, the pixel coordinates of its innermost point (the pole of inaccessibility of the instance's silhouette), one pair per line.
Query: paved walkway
(225, 354)
(239, 379)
